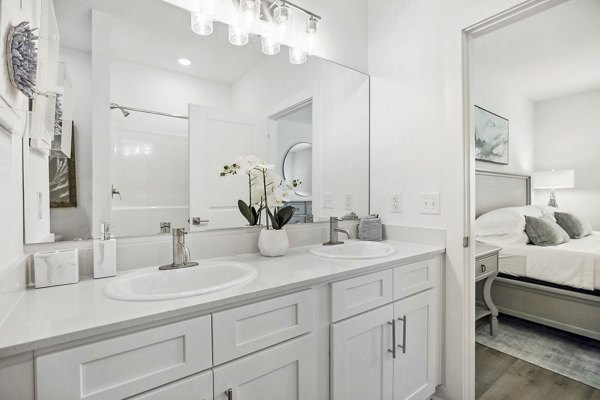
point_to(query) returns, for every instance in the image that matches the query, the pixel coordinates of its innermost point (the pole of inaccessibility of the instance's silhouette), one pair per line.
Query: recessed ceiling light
(184, 61)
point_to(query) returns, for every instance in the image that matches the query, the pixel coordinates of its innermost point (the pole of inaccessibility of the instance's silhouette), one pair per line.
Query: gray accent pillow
(544, 231)
(574, 225)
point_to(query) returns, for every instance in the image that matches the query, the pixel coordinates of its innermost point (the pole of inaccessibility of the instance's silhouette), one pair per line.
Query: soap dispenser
(105, 253)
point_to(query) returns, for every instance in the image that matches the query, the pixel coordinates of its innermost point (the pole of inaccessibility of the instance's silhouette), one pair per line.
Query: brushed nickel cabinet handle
(393, 350)
(403, 345)
(229, 394)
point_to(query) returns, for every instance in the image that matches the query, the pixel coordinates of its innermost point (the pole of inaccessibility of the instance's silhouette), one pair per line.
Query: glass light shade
(298, 56)
(311, 25)
(249, 10)
(270, 46)
(201, 24)
(238, 35)
(281, 14)
(563, 179)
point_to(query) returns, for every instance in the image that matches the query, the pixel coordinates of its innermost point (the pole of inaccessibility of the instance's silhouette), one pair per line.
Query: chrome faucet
(333, 232)
(181, 253)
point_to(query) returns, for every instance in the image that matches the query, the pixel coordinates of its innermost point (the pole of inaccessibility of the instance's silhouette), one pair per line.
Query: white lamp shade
(562, 179)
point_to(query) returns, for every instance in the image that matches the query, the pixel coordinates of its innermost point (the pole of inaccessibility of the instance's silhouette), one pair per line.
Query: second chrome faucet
(334, 230)
(181, 253)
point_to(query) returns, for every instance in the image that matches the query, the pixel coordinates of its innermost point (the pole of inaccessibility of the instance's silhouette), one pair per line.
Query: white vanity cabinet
(373, 336)
(391, 352)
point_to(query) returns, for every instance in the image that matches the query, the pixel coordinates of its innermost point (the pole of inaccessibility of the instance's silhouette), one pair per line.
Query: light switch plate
(396, 203)
(429, 203)
(348, 201)
(328, 201)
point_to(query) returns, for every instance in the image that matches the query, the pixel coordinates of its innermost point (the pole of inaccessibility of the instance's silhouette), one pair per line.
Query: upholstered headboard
(496, 190)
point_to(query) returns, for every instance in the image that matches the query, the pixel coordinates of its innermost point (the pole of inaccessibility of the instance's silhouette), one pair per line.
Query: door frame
(484, 26)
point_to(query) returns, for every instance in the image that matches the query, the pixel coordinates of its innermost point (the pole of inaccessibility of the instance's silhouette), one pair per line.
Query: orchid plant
(266, 189)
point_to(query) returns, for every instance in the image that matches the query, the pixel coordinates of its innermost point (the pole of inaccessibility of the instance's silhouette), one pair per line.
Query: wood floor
(502, 377)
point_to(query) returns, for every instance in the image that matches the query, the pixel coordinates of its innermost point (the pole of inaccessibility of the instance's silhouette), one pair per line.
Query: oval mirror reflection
(297, 164)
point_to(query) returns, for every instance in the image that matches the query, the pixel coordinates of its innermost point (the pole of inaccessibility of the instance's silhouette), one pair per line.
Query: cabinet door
(361, 363)
(282, 372)
(195, 387)
(416, 353)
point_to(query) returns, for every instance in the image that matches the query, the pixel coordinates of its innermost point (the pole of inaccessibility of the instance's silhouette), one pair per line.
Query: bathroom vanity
(305, 327)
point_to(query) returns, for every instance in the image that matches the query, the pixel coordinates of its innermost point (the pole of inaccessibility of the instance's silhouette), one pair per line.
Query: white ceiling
(552, 54)
(154, 33)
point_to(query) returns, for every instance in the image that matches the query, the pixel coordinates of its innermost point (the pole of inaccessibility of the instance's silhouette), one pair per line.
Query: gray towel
(369, 228)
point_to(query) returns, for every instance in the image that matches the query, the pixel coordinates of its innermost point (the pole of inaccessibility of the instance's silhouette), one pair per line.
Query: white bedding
(575, 263)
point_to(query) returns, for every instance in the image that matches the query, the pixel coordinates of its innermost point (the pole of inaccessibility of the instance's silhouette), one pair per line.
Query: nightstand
(486, 268)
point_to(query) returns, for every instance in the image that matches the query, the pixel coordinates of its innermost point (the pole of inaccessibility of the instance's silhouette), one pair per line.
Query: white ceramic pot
(273, 243)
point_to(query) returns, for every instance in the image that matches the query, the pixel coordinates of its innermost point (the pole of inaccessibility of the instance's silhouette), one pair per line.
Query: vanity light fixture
(185, 62)
(274, 16)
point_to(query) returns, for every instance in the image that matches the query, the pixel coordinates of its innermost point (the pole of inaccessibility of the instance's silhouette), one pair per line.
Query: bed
(558, 286)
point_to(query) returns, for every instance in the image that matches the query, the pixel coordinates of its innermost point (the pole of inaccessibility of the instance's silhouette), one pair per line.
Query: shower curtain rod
(115, 105)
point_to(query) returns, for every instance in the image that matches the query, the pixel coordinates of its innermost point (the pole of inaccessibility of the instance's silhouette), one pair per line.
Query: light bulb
(281, 14)
(185, 62)
(311, 25)
(249, 9)
(297, 56)
(270, 46)
(238, 35)
(201, 24)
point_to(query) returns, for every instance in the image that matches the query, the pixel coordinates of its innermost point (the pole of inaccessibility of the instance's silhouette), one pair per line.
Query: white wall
(340, 122)
(415, 61)
(568, 137)
(497, 94)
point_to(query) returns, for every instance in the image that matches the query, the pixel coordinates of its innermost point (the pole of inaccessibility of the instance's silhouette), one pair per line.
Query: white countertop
(60, 314)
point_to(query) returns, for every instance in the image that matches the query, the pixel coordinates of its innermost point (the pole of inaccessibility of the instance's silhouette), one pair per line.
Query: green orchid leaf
(246, 212)
(285, 214)
(274, 220)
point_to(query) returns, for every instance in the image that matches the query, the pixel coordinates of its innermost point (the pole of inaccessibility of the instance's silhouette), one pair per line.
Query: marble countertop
(61, 314)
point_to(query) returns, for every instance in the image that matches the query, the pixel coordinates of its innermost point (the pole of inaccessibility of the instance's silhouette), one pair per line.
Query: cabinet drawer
(127, 365)
(356, 295)
(196, 387)
(283, 372)
(246, 329)
(486, 265)
(413, 278)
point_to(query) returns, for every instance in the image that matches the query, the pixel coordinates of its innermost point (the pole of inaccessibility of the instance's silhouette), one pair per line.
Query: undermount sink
(354, 249)
(152, 284)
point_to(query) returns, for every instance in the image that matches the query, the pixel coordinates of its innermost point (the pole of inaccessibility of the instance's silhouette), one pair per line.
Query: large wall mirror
(179, 106)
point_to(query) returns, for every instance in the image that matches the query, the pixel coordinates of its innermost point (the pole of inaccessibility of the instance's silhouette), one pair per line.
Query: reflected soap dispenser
(105, 253)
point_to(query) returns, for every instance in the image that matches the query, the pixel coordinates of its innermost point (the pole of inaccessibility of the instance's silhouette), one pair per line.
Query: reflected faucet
(181, 253)
(333, 232)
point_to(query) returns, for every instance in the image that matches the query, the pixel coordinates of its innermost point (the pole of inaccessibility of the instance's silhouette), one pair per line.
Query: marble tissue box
(52, 268)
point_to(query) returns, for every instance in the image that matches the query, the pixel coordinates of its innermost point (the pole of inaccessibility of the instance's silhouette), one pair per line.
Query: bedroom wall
(496, 94)
(568, 137)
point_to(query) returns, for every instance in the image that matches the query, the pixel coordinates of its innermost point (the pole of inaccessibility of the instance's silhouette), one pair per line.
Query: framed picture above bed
(491, 137)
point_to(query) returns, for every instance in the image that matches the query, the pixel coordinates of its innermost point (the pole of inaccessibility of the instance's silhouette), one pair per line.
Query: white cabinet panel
(356, 295)
(126, 365)
(413, 278)
(361, 363)
(415, 369)
(16, 377)
(283, 372)
(196, 387)
(246, 329)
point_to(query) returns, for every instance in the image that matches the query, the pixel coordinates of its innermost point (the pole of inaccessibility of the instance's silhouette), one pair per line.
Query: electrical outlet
(396, 203)
(348, 201)
(429, 203)
(328, 201)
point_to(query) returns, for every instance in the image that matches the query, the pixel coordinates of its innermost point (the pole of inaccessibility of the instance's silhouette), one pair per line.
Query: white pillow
(505, 225)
